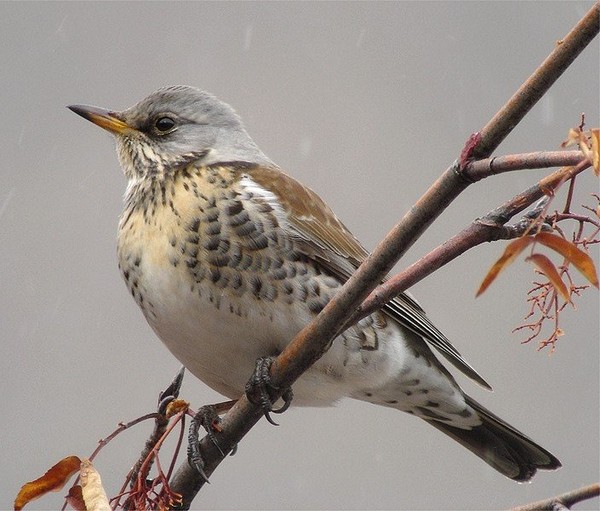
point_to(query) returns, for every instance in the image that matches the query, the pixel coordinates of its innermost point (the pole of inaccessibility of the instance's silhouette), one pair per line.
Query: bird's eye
(164, 124)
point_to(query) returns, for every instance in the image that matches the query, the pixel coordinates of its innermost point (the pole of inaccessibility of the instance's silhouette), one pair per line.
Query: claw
(195, 456)
(287, 397)
(208, 418)
(260, 383)
(204, 418)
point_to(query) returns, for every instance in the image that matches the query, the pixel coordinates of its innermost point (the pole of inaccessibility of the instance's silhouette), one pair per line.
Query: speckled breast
(206, 256)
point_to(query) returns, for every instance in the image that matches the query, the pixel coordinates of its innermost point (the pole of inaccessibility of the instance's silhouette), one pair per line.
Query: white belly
(218, 346)
(219, 341)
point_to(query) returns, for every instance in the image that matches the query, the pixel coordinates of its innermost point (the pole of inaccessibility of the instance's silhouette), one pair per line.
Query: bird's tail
(500, 445)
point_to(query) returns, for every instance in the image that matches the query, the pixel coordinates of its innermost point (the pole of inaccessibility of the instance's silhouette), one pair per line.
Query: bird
(229, 257)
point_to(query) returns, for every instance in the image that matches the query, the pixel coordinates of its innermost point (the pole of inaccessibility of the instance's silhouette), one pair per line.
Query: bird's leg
(259, 385)
(207, 417)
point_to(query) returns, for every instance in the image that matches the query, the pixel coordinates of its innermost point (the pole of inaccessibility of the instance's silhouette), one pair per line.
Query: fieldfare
(229, 257)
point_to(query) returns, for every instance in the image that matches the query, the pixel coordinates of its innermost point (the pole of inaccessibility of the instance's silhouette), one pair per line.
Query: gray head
(172, 127)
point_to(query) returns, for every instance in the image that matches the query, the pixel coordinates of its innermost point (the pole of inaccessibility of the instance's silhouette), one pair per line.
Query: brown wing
(323, 237)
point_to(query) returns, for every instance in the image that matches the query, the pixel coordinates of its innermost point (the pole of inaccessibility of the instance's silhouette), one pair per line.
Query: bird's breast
(213, 266)
(217, 276)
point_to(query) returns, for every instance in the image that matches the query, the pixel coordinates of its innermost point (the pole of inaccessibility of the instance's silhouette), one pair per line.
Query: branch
(314, 339)
(563, 55)
(489, 228)
(477, 170)
(564, 501)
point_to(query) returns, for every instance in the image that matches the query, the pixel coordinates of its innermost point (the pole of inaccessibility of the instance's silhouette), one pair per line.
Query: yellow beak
(101, 117)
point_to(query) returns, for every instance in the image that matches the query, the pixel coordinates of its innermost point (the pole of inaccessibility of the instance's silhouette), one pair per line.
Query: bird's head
(172, 127)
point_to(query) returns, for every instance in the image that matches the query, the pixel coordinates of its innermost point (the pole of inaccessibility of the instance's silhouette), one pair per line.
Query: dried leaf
(547, 268)
(93, 493)
(582, 261)
(75, 498)
(584, 145)
(572, 138)
(588, 143)
(53, 480)
(596, 151)
(513, 249)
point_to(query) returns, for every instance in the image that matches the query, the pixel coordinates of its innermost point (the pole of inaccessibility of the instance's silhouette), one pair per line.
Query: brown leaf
(582, 261)
(584, 144)
(75, 498)
(53, 480)
(572, 138)
(596, 151)
(547, 268)
(513, 249)
(588, 142)
(93, 493)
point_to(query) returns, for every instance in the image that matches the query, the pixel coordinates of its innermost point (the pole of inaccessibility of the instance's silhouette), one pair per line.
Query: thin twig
(480, 169)
(103, 442)
(566, 499)
(160, 426)
(138, 487)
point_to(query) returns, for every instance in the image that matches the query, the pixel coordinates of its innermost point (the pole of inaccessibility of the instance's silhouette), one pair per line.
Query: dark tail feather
(501, 446)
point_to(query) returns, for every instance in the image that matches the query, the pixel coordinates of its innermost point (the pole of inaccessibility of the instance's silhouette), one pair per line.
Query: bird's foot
(208, 418)
(259, 388)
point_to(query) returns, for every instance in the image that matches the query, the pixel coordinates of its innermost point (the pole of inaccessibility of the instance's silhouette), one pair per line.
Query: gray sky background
(367, 103)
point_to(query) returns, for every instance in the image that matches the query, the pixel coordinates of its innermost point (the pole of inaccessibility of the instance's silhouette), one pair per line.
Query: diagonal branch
(564, 501)
(314, 339)
(303, 351)
(489, 228)
(563, 55)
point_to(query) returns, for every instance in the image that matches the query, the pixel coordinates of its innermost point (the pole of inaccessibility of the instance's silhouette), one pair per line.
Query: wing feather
(323, 237)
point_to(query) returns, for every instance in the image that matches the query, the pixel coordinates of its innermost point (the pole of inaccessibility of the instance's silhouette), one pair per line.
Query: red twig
(103, 442)
(140, 491)
(543, 298)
